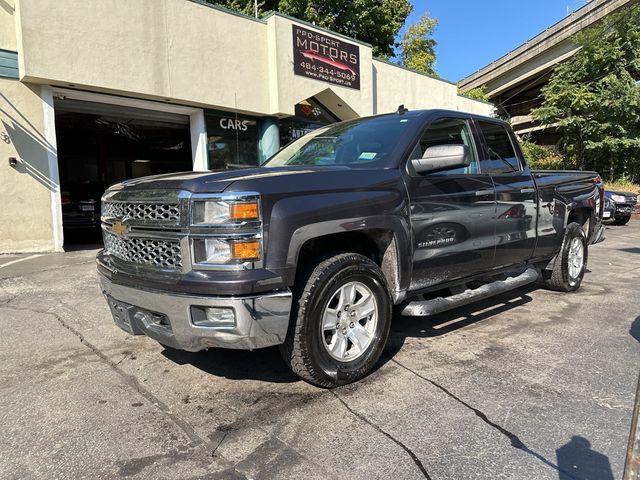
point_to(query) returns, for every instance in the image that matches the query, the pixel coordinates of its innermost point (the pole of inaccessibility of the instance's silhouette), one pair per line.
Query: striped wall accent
(9, 64)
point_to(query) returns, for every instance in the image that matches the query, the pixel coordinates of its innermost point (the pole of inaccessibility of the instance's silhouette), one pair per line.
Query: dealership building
(92, 93)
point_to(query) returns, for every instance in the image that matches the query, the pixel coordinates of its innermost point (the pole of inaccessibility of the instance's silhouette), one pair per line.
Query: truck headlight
(216, 251)
(218, 212)
(618, 198)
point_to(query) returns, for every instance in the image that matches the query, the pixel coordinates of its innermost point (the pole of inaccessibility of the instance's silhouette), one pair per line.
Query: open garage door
(100, 144)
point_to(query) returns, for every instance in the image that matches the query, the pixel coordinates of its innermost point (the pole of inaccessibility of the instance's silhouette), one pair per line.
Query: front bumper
(624, 209)
(261, 319)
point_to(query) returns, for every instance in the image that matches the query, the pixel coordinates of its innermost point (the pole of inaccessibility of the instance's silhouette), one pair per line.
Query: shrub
(543, 158)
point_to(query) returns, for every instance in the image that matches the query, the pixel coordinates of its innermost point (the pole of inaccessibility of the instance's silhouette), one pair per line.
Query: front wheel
(571, 262)
(622, 220)
(340, 321)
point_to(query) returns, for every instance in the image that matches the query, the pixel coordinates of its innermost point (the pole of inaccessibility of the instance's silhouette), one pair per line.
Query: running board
(437, 305)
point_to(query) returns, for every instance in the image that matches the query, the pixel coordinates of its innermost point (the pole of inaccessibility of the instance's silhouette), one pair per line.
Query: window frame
(485, 150)
(475, 144)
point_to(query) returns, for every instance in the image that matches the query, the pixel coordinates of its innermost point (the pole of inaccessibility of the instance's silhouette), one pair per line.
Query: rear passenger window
(501, 157)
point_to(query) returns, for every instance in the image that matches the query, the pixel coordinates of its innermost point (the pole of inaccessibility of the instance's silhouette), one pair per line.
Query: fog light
(220, 317)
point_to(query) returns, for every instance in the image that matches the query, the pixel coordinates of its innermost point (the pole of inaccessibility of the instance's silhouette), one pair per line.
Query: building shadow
(635, 329)
(576, 460)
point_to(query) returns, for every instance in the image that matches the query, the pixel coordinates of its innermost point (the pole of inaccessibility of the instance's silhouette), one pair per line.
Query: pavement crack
(130, 380)
(513, 438)
(409, 452)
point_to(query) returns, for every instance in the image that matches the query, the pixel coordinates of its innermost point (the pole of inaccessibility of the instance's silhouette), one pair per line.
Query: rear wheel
(340, 321)
(571, 262)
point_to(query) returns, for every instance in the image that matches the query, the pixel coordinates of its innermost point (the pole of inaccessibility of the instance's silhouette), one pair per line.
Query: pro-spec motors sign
(325, 58)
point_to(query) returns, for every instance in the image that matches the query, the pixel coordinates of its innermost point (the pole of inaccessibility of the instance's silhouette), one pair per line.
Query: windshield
(365, 143)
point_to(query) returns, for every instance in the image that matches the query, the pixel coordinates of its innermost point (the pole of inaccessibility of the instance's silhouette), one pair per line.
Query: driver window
(449, 131)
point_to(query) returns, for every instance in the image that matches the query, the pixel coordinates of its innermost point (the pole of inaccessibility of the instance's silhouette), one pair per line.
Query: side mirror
(441, 157)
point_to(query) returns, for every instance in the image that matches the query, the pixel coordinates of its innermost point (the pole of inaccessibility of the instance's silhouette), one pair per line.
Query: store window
(232, 141)
(309, 115)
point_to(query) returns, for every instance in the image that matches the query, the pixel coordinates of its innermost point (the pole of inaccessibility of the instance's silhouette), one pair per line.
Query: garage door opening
(101, 144)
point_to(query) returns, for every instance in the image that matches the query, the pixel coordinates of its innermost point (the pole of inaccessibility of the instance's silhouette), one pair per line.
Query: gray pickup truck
(413, 212)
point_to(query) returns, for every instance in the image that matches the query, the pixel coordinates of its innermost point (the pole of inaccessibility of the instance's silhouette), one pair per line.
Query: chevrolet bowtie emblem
(119, 228)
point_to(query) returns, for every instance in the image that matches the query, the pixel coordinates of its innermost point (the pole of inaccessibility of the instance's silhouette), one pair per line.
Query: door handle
(484, 193)
(527, 190)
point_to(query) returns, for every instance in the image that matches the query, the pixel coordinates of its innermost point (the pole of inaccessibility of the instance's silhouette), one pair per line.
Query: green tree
(478, 93)
(246, 6)
(417, 47)
(372, 21)
(593, 98)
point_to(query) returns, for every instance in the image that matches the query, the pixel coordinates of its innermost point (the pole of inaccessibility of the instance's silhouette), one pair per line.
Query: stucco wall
(396, 86)
(157, 49)
(7, 25)
(25, 192)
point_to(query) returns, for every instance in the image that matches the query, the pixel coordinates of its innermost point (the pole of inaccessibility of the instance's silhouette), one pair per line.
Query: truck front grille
(163, 254)
(164, 212)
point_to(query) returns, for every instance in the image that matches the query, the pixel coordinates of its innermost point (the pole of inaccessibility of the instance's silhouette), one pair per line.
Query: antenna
(401, 109)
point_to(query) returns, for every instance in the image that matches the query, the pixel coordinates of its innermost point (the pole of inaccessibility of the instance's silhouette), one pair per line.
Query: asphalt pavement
(532, 384)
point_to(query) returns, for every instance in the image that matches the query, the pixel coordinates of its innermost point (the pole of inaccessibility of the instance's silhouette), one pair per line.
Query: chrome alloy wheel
(575, 259)
(349, 322)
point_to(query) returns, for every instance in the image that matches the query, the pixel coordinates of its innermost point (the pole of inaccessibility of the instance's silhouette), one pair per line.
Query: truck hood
(264, 180)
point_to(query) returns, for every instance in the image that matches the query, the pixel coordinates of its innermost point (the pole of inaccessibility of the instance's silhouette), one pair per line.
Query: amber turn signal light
(245, 250)
(243, 211)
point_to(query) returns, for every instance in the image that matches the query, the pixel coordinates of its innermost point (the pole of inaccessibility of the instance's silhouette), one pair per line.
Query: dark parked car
(313, 250)
(80, 210)
(608, 210)
(625, 202)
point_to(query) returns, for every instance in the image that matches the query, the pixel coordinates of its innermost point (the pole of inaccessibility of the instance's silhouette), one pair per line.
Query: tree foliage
(542, 157)
(417, 48)
(372, 21)
(594, 97)
(478, 93)
(246, 6)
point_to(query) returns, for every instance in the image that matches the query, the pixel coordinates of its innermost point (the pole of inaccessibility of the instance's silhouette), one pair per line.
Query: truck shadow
(264, 364)
(452, 320)
(267, 365)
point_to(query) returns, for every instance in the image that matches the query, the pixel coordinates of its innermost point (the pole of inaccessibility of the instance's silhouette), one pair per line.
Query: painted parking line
(13, 262)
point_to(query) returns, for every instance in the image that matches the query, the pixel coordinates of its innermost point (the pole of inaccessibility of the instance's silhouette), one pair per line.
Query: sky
(473, 33)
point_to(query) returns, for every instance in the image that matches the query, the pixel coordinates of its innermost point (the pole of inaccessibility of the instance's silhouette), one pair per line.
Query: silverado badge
(119, 228)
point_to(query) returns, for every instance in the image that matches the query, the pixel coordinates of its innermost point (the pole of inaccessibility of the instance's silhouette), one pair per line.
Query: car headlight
(219, 212)
(219, 251)
(618, 198)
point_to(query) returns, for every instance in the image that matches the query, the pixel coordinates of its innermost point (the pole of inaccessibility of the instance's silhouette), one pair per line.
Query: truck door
(452, 211)
(517, 207)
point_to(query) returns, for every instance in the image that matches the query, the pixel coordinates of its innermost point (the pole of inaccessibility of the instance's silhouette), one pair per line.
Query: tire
(320, 355)
(621, 220)
(568, 268)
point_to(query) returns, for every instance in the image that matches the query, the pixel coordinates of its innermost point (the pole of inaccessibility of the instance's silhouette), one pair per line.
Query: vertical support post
(269, 141)
(632, 463)
(198, 129)
(49, 116)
